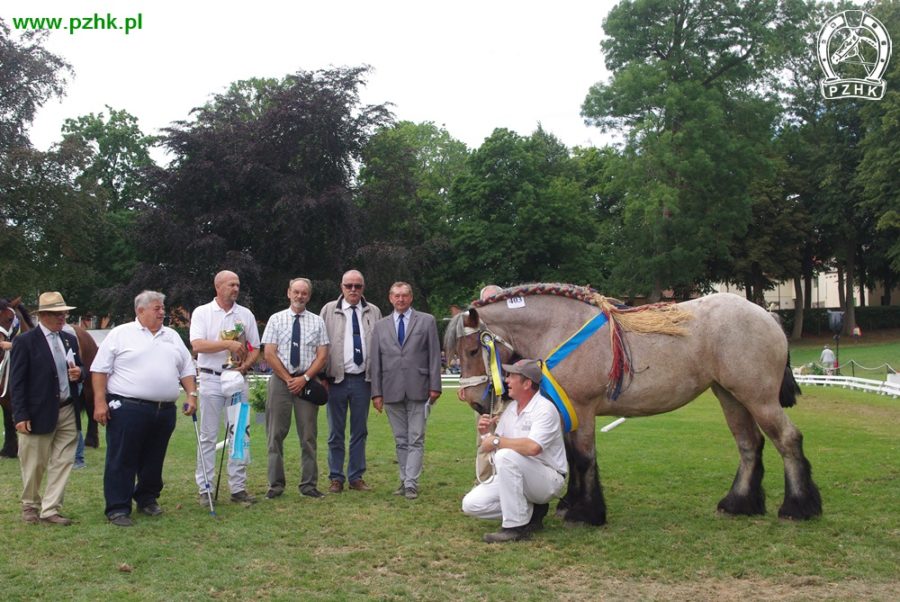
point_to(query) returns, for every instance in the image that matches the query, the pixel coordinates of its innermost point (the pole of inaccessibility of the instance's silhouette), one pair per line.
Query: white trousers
(212, 415)
(520, 482)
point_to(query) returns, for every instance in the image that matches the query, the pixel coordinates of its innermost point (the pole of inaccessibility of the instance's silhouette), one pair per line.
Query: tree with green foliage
(404, 182)
(879, 168)
(519, 213)
(119, 168)
(259, 184)
(691, 87)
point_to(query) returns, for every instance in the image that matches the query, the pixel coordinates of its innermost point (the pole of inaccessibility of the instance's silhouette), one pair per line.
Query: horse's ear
(470, 318)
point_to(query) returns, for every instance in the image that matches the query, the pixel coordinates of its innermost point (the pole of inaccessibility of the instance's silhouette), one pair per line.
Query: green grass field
(662, 476)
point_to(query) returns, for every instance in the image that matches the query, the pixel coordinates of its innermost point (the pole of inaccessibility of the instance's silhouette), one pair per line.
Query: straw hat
(52, 301)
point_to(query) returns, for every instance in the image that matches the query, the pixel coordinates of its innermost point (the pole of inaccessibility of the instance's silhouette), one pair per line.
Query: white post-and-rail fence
(888, 387)
(448, 381)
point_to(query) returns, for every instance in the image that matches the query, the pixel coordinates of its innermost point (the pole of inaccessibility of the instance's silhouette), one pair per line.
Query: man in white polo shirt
(135, 377)
(529, 456)
(207, 323)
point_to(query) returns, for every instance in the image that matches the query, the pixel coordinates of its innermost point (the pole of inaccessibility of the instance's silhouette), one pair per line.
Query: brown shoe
(360, 485)
(337, 486)
(57, 519)
(31, 515)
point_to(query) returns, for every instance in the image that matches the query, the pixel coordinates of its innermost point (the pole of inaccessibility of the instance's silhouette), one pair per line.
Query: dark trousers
(137, 437)
(352, 393)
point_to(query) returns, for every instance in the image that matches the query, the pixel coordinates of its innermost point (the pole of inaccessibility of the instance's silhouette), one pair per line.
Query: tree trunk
(850, 310)
(797, 332)
(807, 278)
(840, 271)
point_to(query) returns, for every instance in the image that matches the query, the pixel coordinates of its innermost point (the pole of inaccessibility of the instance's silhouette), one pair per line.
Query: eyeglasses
(353, 287)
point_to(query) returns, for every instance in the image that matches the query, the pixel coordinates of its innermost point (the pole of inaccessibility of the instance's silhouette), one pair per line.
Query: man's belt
(210, 371)
(158, 404)
(67, 402)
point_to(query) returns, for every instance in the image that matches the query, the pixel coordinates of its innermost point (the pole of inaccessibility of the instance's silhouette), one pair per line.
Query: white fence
(851, 382)
(448, 381)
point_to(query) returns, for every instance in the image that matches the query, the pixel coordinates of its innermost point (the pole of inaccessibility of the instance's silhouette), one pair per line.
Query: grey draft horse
(726, 343)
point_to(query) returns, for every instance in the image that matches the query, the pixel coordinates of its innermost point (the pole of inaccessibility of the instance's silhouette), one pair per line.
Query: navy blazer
(33, 382)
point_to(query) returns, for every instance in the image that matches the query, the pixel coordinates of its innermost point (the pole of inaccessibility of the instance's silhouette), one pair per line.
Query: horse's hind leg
(11, 442)
(801, 496)
(746, 495)
(583, 501)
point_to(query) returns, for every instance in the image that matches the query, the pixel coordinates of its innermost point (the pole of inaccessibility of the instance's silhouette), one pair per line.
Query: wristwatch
(194, 394)
(496, 442)
(306, 377)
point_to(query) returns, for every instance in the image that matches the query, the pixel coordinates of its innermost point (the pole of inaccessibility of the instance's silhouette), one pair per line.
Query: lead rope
(494, 389)
(4, 363)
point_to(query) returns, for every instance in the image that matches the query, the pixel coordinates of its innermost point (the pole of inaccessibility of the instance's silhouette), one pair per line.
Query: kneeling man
(529, 457)
(135, 376)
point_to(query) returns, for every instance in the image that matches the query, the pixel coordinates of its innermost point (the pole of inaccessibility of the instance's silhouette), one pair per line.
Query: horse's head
(470, 340)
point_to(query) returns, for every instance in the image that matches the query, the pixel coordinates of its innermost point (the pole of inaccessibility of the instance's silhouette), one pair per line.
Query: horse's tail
(789, 387)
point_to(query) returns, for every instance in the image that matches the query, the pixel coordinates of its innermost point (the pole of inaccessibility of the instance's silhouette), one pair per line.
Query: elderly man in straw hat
(46, 370)
(529, 456)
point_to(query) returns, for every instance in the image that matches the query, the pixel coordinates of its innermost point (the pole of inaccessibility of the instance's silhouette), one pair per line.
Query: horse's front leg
(583, 502)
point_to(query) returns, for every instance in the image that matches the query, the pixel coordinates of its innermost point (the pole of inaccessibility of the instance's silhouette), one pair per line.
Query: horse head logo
(853, 49)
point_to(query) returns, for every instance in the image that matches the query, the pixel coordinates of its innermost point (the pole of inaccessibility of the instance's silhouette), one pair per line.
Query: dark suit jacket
(33, 382)
(408, 372)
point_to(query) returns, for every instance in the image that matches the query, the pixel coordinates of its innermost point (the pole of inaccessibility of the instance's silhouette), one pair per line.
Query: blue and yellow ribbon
(496, 371)
(550, 388)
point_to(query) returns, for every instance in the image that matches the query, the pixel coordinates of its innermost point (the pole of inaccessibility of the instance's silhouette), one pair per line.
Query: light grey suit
(403, 376)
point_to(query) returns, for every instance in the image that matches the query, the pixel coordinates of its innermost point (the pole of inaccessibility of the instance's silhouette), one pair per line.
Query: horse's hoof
(742, 506)
(798, 509)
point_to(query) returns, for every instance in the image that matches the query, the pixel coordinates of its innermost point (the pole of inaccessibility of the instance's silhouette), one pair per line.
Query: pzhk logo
(853, 49)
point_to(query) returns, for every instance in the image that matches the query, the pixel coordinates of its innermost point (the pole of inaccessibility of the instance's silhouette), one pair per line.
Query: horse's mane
(585, 294)
(657, 318)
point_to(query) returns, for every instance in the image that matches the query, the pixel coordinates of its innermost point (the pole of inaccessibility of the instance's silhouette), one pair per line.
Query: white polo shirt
(540, 422)
(143, 365)
(208, 321)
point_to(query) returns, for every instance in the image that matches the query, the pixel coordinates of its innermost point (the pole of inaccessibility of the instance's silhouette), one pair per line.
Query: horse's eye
(473, 352)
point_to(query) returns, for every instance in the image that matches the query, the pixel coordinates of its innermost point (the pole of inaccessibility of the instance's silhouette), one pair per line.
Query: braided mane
(655, 318)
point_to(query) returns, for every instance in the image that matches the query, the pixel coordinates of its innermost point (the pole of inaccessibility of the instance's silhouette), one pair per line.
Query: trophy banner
(239, 425)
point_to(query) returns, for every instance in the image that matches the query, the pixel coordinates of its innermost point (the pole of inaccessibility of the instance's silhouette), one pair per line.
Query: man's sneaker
(411, 493)
(151, 509)
(507, 534)
(79, 465)
(121, 520)
(31, 515)
(359, 485)
(203, 499)
(314, 493)
(337, 486)
(401, 490)
(242, 497)
(273, 493)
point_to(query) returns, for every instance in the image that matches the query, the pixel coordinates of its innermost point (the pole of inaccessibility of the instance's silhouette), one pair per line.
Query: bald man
(207, 322)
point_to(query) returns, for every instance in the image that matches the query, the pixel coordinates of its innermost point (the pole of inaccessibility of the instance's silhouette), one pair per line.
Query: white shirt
(208, 321)
(540, 422)
(350, 366)
(279, 330)
(143, 365)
